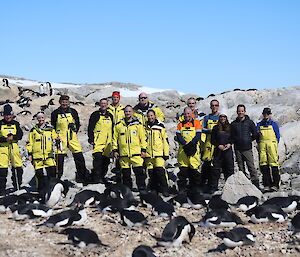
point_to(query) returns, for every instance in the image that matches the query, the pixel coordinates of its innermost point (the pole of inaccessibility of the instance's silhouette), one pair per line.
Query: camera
(72, 126)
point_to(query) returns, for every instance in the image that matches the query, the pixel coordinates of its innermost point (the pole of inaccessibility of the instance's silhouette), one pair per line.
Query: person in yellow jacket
(156, 153)
(65, 121)
(207, 148)
(100, 136)
(10, 134)
(268, 139)
(40, 150)
(144, 105)
(115, 108)
(129, 147)
(188, 135)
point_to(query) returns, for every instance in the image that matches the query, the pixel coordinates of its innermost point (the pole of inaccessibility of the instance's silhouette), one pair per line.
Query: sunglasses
(143, 97)
(222, 116)
(213, 105)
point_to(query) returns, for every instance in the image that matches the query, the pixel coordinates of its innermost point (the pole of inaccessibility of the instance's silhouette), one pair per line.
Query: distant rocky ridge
(284, 103)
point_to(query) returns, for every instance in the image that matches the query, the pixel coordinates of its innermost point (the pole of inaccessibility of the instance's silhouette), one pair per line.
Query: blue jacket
(267, 123)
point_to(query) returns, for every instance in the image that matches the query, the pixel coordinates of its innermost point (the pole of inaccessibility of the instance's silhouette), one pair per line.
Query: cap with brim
(7, 110)
(267, 111)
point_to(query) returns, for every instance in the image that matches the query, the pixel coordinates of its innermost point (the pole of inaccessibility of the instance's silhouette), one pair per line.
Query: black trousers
(40, 178)
(186, 175)
(100, 166)
(16, 177)
(270, 177)
(140, 176)
(3, 180)
(158, 179)
(222, 160)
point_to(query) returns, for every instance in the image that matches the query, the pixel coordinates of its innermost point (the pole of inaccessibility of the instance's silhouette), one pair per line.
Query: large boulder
(237, 186)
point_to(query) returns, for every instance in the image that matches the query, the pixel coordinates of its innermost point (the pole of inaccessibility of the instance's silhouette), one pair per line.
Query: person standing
(268, 139)
(243, 132)
(10, 134)
(188, 135)
(115, 108)
(40, 150)
(223, 154)
(65, 121)
(144, 105)
(100, 136)
(196, 115)
(129, 147)
(156, 154)
(207, 149)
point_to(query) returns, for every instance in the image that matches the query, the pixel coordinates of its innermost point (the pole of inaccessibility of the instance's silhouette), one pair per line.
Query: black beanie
(8, 110)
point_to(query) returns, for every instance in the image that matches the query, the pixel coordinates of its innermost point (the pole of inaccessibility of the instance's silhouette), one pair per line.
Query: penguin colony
(132, 211)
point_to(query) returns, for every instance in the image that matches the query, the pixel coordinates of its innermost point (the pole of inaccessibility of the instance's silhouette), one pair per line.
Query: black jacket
(243, 133)
(220, 137)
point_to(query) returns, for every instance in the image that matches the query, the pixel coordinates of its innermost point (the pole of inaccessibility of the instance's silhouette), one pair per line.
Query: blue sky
(197, 47)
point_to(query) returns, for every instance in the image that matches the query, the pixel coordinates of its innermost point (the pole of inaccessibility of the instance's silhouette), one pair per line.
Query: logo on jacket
(133, 132)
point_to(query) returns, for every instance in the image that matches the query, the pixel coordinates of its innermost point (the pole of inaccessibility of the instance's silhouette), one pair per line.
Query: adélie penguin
(83, 237)
(86, 197)
(179, 229)
(295, 224)
(54, 190)
(143, 251)
(66, 218)
(237, 237)
(29, 211)
(220, 218)
(266, 213)
(133, 218)
(287, 204)
(246, 203)
(163, 209)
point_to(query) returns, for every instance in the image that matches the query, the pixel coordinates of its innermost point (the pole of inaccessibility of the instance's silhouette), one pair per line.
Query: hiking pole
(13, 163)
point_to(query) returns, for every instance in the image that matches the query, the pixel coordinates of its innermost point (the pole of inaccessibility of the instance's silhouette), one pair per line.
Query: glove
(72, 126)
(190, 149)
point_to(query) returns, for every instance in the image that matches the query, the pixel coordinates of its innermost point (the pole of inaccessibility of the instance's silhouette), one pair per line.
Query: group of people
(137, 140)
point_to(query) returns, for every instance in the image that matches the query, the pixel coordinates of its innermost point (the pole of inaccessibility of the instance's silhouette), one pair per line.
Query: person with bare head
(197, 115)
(40, 150)
(144, 105)
(129, 147)
(188, 135)
(66, 122)
(243, 131)
(208, 148)
(100, 136)
(10, 134)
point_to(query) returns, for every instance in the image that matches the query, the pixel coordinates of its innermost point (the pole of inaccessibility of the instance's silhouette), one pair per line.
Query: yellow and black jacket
(157, 140)
(141, 112)
(7, 128)
(129, 138)
(40, 142)
(117, 112)
(100, 131)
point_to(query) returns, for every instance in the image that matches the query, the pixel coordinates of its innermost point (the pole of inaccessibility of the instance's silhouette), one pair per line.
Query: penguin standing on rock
(67, 218)
(132, 218)
(175, 232)
(246, 203)
(237, 237)
(143, 251)
(83, 237)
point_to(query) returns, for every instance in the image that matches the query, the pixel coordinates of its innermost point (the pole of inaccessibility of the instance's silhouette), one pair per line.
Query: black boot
(267, 181)
(39, 176)
(214, 177)
(82, 174)
(126, 177)
(276, 178)
(140, 177)
(3, 179)
(162, 179)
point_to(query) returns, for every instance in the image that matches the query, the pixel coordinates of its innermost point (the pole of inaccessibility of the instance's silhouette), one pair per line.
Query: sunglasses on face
(143, 97)
(213, 105)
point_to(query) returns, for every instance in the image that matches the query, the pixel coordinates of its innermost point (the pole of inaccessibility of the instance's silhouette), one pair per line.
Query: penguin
(266, 213)
(86, 197)
(196, 199)
(24, 113)
(143, 251)
(5, 83)
(175, 232)
(163, 209)
(83, 237)
(216, 202)
(149, 198)
(8, 200)
(295, 224)
(29, 211)
(237, 237)
(54, 190)
(132, 218)
(119, 190)
(114, 205)
(180, 200)
(287, 204)
(246, 203)
(66, 218)
(220, 218)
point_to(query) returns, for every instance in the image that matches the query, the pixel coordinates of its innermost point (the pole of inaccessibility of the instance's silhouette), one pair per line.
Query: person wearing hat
(100, 136)
(268, 139)
(243, 132)
(144, 105)
(129, 147)
(115, 108)
(223, 154)
(188, 135)
(40, 150)
(10, 134)
(65, 121)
